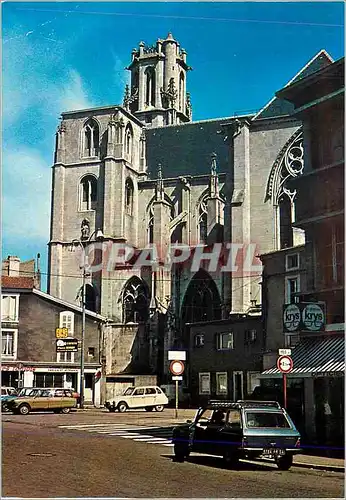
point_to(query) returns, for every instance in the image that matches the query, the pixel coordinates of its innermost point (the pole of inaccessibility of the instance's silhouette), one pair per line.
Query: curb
(331, 468)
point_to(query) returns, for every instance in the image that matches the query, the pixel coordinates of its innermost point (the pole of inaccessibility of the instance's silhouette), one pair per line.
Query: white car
(148, 397)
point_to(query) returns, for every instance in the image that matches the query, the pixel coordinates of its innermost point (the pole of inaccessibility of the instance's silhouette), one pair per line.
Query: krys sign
(304, 316)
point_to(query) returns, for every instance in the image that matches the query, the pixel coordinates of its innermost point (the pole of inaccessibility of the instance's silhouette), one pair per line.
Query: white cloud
(73, 95)
(26, 194)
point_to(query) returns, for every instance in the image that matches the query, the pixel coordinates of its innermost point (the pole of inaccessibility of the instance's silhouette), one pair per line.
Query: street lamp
(82, 242)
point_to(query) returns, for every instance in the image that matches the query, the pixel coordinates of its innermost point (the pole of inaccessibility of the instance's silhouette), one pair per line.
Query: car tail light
(298, 443)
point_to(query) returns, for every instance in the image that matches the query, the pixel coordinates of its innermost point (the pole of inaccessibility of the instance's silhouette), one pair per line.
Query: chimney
(13, 265)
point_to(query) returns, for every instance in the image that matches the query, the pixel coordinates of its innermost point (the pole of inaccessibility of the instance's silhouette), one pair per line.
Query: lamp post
(82, 242)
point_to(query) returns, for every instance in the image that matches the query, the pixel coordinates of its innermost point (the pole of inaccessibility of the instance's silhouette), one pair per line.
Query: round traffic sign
(285, 364)
(177, 367)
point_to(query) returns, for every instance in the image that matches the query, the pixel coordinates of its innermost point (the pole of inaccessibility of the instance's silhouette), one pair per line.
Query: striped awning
(316, 355)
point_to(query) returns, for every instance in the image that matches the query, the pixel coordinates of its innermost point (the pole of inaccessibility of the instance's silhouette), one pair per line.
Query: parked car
(7, 393)
(148, 397)
(56, 400)
(236, 430)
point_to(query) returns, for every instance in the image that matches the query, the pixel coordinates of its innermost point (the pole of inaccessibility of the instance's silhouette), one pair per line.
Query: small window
(224, 341)
(204, 383)
(199, 340)
(65, 357)
(139, 392)
(9, 343)
(292, 261)
(66, 320)
(91, 352)
(250, 336)
(221, 383)
(292, 288)
(10, 308)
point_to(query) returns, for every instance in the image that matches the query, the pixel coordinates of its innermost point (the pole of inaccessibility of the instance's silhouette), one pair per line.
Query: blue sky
(63, 56)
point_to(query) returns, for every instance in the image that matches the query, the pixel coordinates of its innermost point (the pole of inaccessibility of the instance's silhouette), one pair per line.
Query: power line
(192, 18)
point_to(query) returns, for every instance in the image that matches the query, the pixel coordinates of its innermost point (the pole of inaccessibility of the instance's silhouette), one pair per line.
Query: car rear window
(257, 419)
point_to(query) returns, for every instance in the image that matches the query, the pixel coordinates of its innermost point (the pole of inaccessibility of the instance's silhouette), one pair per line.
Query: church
(145, 175)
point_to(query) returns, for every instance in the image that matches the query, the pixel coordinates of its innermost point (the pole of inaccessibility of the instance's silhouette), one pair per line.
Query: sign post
(285, 365)
(177, 368)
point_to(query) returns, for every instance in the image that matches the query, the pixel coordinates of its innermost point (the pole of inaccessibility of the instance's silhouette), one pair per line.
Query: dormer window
(88, 193)
(91, 138)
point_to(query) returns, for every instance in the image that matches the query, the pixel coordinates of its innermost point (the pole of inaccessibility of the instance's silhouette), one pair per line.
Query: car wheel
(159, 408)
(65, 410)
(148, 408)
(180, 453)
(24, 409)
(122, 407)
(285, 462)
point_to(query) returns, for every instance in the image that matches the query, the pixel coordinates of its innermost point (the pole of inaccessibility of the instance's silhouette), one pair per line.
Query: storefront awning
(315, 355)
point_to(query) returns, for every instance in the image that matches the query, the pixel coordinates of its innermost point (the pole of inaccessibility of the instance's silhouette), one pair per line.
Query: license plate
(274, 452)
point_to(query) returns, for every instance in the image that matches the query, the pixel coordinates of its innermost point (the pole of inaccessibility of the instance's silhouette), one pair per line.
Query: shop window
(204, 383)
(50, 380)
(9, 344)
(221, 383)
(10, 308)
(224, 341)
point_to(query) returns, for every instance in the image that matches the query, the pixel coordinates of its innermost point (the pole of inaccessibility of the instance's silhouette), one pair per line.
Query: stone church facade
(145, 174)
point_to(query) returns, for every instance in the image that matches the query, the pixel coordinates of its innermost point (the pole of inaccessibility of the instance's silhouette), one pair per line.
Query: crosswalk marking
(142, 434)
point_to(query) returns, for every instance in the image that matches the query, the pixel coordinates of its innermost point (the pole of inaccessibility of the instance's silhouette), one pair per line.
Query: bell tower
(157, 93)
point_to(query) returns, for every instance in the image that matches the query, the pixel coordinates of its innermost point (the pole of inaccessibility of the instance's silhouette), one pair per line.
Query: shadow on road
(219, 463)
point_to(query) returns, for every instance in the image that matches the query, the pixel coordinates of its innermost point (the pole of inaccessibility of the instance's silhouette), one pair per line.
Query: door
(41, 400)
(150, 396)
(137, 399)
(238, 385)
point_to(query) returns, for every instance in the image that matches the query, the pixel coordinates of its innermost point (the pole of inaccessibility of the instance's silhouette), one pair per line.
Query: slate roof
(280, 107)
(17, 282)
(186, 149)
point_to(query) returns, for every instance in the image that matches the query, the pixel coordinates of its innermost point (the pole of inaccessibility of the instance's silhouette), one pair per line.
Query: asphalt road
(41, 459)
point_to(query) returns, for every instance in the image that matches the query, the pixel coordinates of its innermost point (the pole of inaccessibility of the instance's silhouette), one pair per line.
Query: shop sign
(304, 316)
(17, 368)
(61, 333)
(67, 345)
(328, 374)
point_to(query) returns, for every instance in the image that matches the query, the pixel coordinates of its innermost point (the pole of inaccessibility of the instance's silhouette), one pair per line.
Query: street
(98, 454)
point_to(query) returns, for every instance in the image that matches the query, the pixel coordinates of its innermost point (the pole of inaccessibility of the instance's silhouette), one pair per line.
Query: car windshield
(128, 391)
(269, 419)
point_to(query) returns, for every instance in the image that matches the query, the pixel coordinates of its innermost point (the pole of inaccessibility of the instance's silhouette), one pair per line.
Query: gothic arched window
(129, 190)
(202, 300)
(128, 141)
(151, 226)
(91, 138)
(135, 301)
(88, 193)
(90, 298)
(150, 86)
(181, 91)
(203, 221)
